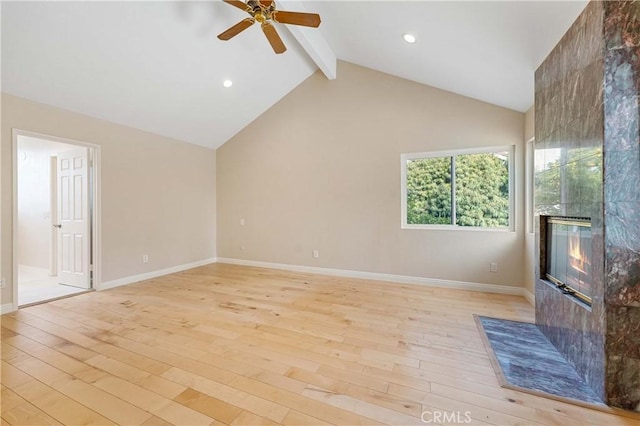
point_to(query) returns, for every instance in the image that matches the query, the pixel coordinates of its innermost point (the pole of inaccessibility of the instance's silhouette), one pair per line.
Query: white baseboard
(404, 279)
(6, 308)
(529, 296)
(153, 274)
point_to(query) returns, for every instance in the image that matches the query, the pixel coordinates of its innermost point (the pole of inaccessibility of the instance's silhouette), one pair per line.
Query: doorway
(55, 182)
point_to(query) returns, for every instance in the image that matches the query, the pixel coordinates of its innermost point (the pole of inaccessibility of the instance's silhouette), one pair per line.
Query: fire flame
(577, 257)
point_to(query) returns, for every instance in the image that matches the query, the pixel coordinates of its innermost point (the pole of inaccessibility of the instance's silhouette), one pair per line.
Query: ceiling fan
(264, 12)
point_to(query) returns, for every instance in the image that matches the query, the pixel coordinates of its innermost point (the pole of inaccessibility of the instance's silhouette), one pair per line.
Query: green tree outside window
(470, 190)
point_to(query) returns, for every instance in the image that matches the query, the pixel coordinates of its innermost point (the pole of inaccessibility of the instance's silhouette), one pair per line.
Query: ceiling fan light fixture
(227, 83)
(409, 38)
(264, 12)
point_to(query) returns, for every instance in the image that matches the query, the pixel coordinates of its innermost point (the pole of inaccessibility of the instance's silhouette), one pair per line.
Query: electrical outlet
(316, 254)
(145, 258)
(242, 222)
(493, 267)
(2, 282)
(242, 248)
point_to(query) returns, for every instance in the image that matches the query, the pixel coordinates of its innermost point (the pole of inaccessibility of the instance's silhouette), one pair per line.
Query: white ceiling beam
(312, 40)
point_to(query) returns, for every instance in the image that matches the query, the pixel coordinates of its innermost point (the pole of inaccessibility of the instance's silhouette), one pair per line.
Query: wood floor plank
(117, 368)
(132, 358)
(146, 380)
(9, 399)
(224, 344)
(361, 407)
(17, 411)
(273, 339)
(295, 418)
(54, 358)
(302, 403)
(4, 333)
(429, 372)
(74, 351)
(385, 399)
(241, 399)
(156, 421)
(416, 384)
(60, 407)
(18, 327)
(100, 401)
(13, 377)
(161, 386)
(285, 382)
(281, 362)
(161, 407)
(11, 354)
(59, 332)
(168, 358)
(179, 415)
(356, 378)
(319, 380)
(208, 405)
(249, 419)
(28, 414)
(523, 412)
(82, 352)
(484, 414)
(136, 395)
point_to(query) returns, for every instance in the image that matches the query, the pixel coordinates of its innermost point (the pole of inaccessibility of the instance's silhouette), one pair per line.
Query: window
(454, 189)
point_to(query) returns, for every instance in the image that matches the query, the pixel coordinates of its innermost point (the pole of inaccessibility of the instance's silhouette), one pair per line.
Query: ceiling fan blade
(296, 18)
(239, 4)
(266, 3)
(273, 37)
(236, 29)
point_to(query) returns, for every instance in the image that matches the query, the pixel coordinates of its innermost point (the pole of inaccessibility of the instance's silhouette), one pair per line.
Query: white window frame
(510, 149)
(529, 182)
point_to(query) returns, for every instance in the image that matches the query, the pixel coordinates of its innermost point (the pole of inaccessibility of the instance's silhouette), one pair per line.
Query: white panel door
(73, 218)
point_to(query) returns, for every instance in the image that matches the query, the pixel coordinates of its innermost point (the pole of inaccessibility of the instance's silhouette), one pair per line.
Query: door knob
(57, 226)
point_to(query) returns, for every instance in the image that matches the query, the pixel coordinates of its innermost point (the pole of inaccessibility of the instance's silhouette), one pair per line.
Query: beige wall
(158, 194)
(529, 250)
(321, 170)
(529, 124)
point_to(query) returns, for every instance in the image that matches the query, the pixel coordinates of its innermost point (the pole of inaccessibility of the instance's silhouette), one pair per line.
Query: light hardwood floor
(234, 345)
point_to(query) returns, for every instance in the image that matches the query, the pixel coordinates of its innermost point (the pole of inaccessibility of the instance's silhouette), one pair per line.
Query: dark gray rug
(525, 360)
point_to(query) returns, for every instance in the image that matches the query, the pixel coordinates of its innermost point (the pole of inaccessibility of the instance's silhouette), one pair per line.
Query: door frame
(96, 224)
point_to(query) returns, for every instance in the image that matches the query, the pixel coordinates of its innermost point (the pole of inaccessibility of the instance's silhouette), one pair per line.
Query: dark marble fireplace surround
(588, 165)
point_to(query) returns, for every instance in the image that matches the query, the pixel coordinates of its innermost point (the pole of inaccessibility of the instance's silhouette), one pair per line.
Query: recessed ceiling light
(409, 38)
(227, 83)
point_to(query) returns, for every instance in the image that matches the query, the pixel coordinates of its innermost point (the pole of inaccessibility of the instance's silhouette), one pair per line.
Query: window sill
(455, 228)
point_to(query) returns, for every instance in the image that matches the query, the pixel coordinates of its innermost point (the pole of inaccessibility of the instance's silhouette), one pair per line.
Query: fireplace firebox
(569, 255)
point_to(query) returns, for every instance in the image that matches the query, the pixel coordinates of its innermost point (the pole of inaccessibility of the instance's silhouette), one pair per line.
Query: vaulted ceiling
(159, 67)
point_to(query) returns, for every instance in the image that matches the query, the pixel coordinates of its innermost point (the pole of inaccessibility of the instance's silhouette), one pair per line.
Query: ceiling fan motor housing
(260, 11)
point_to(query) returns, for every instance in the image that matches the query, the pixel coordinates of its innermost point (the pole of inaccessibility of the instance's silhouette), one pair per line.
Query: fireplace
(569, 256)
